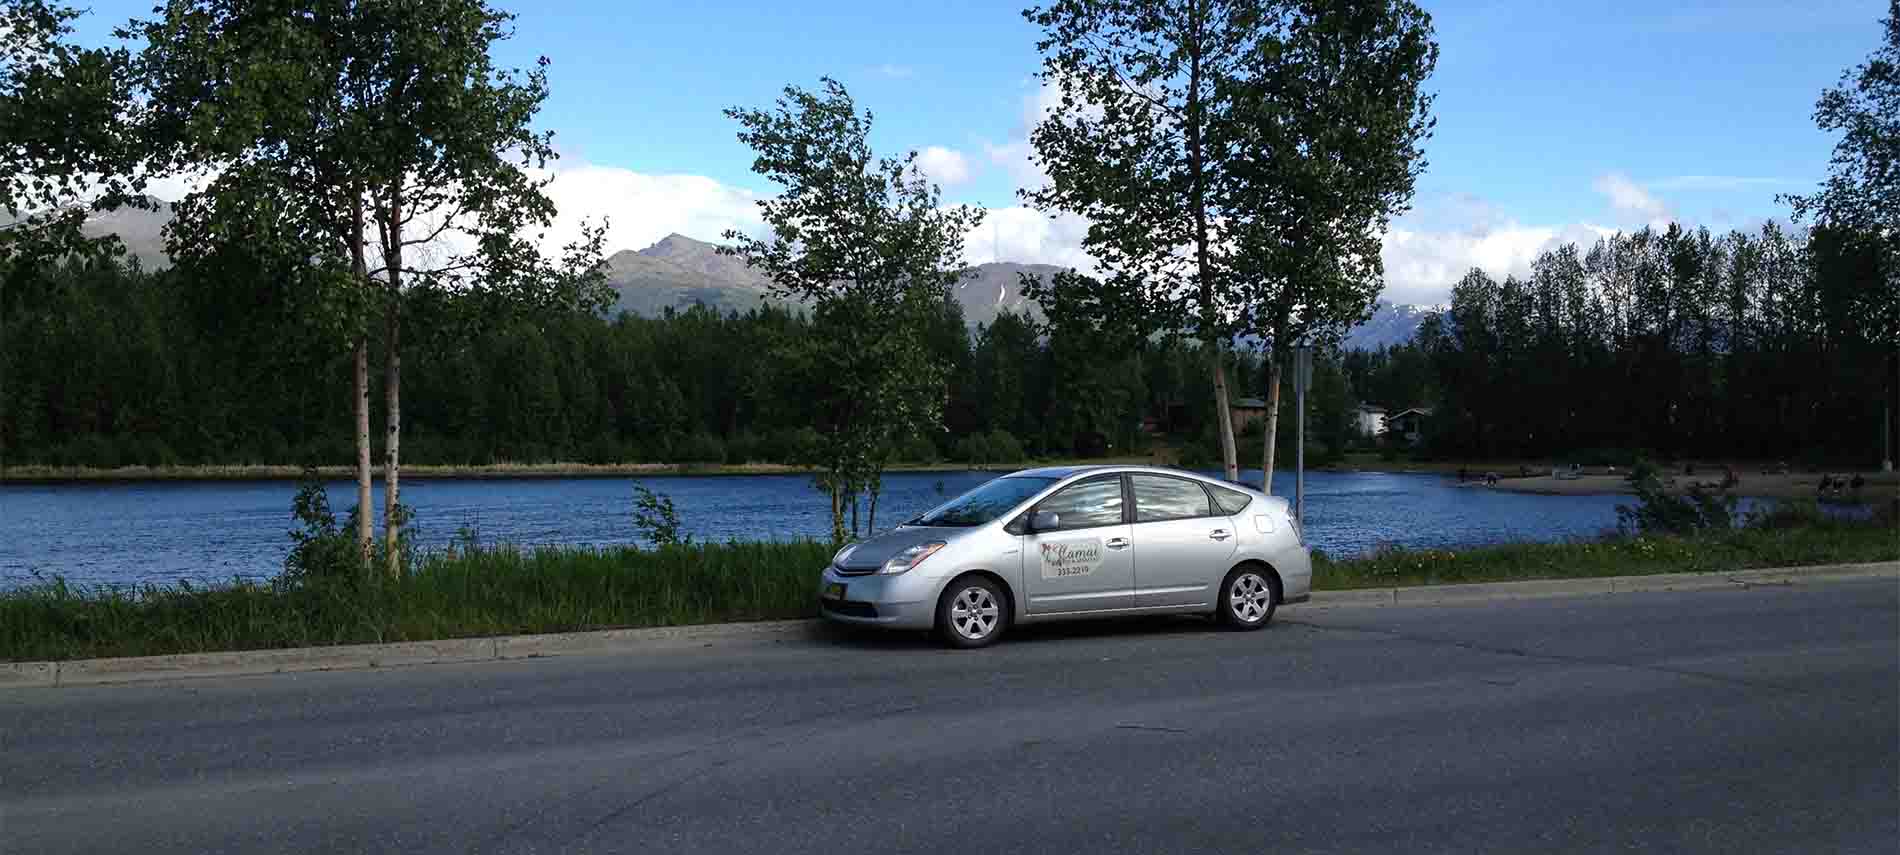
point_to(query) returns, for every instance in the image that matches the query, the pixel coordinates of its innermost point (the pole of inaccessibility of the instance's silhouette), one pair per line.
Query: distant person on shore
(1463, 476)
(1729, 478)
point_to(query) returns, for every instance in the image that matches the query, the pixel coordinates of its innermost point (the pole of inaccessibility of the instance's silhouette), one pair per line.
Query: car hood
(872, 553)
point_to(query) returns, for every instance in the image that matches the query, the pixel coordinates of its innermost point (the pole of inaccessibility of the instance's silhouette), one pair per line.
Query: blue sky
(1554, 120)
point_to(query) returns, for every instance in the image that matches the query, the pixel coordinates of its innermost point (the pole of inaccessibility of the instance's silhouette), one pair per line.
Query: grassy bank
(35, 474)
(502, 591)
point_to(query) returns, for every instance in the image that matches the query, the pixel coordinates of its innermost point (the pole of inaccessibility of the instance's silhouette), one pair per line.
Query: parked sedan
(1075, 542)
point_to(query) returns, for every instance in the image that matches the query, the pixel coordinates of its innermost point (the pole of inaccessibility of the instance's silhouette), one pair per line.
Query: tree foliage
(868, 245)
(1234, 158)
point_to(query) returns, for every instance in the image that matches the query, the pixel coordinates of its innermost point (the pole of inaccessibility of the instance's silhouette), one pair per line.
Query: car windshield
(984, 503)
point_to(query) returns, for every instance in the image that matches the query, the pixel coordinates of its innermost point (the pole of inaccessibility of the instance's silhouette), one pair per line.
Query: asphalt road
(1765, 720)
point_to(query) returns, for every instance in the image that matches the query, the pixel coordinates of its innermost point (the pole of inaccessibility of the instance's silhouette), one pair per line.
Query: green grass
(494, 591)
(502, 591)
(1738, 550)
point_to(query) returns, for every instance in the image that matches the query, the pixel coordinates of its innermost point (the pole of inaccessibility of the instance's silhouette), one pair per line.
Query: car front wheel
(973, 612)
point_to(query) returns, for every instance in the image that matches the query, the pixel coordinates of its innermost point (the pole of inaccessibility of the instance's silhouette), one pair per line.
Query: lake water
(209, 532)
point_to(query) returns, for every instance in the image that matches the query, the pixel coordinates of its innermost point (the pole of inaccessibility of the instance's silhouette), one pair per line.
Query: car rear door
(1182, 546)
(1085, 564)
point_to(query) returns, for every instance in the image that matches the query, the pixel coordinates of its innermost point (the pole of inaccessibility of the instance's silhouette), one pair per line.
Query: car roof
(1061, 472)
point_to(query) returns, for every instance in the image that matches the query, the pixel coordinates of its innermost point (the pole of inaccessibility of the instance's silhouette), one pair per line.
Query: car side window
(1094, 502)
(1158, 497)
(1230, 502)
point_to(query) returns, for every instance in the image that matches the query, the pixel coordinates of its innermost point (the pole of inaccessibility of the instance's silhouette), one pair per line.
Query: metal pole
(1302, 357)
(1886, 440)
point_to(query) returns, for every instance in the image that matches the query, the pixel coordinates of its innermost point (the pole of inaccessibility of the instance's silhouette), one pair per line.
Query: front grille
(860, 571)
(848, 608)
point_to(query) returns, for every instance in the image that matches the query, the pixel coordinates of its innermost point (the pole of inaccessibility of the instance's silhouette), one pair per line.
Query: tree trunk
(392, 465)
(1204, 269)
(1273, 421)
(837, 516)
(359, 269)
(392, 383)
(1230, 461)
(877, 486)
(854, 515)
(365, 508)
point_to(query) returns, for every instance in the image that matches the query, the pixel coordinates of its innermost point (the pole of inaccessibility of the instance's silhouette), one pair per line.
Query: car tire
(973, 612)
(1248, 597)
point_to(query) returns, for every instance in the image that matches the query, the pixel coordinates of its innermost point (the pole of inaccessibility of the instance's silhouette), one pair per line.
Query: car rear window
(1230, 502)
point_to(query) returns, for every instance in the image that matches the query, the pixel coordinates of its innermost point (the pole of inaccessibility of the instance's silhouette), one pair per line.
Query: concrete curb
(140, 669)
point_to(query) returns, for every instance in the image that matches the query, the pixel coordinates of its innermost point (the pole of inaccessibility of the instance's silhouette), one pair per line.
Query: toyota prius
(1075, 542)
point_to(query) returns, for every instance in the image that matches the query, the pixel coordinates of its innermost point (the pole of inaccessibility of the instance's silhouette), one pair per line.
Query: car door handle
(1118, 543)
(1219, 534)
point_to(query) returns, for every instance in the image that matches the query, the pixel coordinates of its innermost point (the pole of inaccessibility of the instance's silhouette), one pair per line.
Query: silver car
(1071, 542)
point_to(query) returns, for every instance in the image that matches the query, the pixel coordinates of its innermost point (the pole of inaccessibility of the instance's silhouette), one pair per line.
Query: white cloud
(1630, 199)
(946, 167)
(899, 72)
(641, 209)
(1421, 264)
(1720, 182)
(1026, 236)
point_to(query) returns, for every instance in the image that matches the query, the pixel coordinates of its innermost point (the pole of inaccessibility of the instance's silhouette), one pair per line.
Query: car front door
(1182, 549)
(1084, 563)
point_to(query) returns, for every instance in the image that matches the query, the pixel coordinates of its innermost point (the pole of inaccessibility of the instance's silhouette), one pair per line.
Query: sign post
(1302, 376)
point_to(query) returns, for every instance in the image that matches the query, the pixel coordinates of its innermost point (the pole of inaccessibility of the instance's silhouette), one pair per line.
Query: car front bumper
(904, 601)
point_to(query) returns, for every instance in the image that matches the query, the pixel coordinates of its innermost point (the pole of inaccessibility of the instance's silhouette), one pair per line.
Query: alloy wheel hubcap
(1250, 598)
(974, 613)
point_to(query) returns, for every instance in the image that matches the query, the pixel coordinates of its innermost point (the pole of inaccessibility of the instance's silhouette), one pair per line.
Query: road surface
(1765, 720)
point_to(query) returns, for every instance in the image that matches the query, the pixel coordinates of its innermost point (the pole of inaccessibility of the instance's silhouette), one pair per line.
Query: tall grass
(453, 594)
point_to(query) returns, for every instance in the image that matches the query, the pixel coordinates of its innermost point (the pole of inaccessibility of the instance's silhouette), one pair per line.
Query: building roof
(1371, 408)
(1249, 404)
(1423, 411)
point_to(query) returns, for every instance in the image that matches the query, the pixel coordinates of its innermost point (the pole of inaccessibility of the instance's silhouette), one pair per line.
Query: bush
(973, 449)
(744, 447)
(656, 519)
(918, 449)
(1657, 512)
(700, 448)
(1003, 447)
(322, 552)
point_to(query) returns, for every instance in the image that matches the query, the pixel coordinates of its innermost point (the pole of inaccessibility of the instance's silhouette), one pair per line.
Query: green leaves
(866, 242)
(1862, 190)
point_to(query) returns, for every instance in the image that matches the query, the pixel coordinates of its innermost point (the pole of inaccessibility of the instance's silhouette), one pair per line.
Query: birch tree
(400, 154)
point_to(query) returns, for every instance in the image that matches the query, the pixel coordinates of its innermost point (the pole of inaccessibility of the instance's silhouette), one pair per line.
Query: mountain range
(679, 271)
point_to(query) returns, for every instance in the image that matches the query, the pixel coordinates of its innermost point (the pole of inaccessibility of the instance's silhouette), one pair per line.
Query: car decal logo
(1070, 558)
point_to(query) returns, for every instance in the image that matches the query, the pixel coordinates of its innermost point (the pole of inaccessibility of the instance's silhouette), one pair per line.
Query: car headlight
(838, 559)
(909, 558)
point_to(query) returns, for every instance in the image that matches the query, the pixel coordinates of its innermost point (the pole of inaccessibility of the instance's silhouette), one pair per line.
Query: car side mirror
(1045, 521)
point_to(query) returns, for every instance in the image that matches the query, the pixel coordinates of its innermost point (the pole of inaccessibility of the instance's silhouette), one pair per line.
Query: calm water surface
(211, 532)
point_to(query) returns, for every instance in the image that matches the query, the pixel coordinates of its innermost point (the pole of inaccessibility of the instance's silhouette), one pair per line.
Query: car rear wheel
(1248, 597)
(973, 612)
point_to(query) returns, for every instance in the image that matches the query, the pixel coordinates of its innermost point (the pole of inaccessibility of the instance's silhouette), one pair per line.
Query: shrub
(974, 449)
(1657, 512)
(744, 447)
(918, 449)
(700, 448)
(1003, 447)
(656, 519)
(322, 552)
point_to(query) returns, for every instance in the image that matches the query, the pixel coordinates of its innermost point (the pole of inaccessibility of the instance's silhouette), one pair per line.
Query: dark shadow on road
(1147, 626)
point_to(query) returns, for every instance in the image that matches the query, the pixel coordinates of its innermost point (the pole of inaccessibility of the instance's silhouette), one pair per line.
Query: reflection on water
(213, 531)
